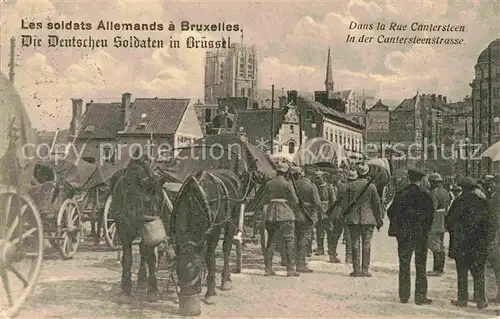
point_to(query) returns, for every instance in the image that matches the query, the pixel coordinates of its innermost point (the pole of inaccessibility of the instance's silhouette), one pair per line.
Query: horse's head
(252, 179)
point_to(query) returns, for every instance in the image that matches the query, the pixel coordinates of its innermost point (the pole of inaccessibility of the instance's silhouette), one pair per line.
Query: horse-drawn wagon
(68, 193)
(21, 228)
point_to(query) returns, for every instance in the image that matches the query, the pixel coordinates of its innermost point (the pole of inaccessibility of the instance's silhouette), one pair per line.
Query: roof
(344, 95)
(257, 123)
(406, 105)
(379, 106)
(326, 111)
(495, 52)
(101, 120)
(162, 116)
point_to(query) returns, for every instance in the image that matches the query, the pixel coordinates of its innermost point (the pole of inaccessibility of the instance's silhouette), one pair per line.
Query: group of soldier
(297, 205)
(420, 215)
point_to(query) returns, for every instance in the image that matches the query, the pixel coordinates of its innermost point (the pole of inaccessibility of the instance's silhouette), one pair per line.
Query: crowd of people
(420, 215)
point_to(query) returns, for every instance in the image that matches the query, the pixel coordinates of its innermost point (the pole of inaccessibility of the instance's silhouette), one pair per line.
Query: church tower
(329, 76)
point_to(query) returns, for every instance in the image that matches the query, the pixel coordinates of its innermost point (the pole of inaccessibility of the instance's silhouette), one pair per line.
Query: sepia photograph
(249, 159)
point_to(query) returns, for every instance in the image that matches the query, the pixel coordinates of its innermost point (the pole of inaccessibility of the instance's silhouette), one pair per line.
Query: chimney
(77, 115)
(445, 100)
(126, 109)
(292, 97)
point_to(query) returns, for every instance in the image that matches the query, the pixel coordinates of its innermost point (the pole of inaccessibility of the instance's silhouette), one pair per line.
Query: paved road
(88, 286)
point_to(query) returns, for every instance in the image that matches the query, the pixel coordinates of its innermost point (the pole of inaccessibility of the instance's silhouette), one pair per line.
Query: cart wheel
(21, 246)
(239, 256)
(110, 227)
(69, 229)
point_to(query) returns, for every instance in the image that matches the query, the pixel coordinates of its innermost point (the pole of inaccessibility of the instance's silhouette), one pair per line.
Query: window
(221, 71)
(208, 115)
(331, 137)
(280, 147)
(309, 115)
(291, 147)
(108, 155)
(249, 92)
(291, 129)
(242, 92)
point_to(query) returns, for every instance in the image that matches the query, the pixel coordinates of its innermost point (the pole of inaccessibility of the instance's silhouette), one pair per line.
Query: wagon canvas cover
(222, 151)
(82, 175)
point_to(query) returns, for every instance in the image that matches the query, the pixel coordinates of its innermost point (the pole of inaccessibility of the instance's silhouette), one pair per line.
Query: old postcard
(241, 159)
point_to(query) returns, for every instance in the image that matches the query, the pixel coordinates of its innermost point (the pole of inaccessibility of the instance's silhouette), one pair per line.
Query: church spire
(329, 76)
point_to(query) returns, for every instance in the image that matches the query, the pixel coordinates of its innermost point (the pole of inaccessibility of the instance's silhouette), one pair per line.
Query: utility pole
(272, 119)
(12, 59)
(490, 109)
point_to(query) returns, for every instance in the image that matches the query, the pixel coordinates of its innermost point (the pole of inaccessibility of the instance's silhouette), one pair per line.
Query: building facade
(485, 92)
(231, 72)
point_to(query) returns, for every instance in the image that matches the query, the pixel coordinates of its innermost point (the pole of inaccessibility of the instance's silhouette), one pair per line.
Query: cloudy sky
(292, 38)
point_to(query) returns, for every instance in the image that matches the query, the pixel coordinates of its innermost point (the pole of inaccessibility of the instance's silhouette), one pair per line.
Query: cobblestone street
(88, 286)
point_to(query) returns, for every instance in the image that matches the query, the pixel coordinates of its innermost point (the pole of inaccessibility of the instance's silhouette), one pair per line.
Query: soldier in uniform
(306, 218)
(362, 208)
(279, 196)
(411, 215)
(441, 200)
(325, 225)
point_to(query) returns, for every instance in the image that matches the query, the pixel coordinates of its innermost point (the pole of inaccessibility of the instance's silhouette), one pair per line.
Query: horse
(137, 191)
(208, 202)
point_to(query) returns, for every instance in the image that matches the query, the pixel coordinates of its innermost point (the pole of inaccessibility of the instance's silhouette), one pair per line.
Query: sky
(292, 39)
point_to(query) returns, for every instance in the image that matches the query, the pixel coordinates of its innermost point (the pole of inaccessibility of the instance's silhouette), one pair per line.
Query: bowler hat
(468, 182)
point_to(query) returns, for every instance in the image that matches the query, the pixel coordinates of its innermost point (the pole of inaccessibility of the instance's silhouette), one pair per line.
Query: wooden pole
(272, 119)
(12, 59)
(490, 110)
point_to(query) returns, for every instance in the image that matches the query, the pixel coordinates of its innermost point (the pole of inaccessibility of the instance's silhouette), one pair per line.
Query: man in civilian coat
(362, 209)
(411, 215)
(305, 218)
(474, 225)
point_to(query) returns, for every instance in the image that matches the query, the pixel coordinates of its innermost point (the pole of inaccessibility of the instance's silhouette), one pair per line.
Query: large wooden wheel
(109, 225)
(69, 229)
(21, 249)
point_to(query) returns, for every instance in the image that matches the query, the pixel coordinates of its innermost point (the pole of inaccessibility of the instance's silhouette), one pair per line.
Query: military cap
(489, 178)
(363, 169)
(416, 173)
(352, 175)
(319, 173)
(435, 177)
(468, 182)
(282, 167)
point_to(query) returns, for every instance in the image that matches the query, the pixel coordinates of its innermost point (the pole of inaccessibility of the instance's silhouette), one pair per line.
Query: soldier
(306, 218)
(363, 211)
(339, 225)
(281, 200)
(488, 185)
(325, 225)
(441, 200)
(411, 215)
(494, 254)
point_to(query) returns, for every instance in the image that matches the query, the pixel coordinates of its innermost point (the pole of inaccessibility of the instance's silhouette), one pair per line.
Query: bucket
(153, 233)
(189, 305)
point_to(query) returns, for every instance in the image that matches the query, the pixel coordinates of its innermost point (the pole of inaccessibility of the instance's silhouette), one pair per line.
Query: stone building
(231, 72)
(485, 90)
